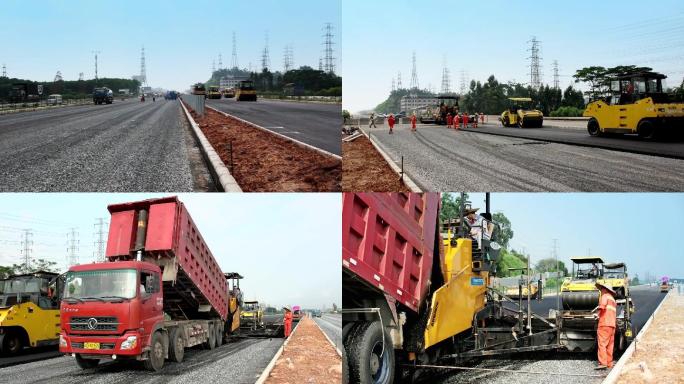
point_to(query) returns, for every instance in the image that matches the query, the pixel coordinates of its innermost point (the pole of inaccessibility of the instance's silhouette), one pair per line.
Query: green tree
(635, 280)
(6, 272)
(507, 260)
(451, 206)
(345, 116)
(505, 230)
(38, 265)
(549, 265)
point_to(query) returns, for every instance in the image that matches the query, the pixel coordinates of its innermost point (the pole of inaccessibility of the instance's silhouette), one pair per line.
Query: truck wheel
(646, 130)
(176, 345)
(211, 339)
(218, 335)
(155, 359)
(368, 362)
(593, 128)
(86, 363)
(345, 367)
(10, 343)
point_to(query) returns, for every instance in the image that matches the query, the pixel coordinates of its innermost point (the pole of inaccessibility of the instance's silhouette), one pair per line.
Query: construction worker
(465, 120)
(287, 321)
(457, 121)
(371, 122)
(481, 118)
(607, 319)
(413, 122)
(450, 119)
(390, 121)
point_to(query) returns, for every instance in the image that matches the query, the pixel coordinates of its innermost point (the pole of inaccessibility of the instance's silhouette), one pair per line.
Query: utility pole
(26, 244)
(99, 239)
(72, 242)
(234, 59)
(96, 53)
(535, 66)
(556, 76)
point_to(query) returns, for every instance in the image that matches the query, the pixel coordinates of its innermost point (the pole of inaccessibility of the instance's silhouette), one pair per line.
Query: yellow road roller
(522, 114)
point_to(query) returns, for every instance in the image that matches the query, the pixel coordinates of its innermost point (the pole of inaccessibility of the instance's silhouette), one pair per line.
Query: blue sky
(642, 229)
(180, 37)
(287, 246)
(490, 37)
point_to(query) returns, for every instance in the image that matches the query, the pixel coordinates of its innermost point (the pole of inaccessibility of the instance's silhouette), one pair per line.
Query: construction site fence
(195, 102)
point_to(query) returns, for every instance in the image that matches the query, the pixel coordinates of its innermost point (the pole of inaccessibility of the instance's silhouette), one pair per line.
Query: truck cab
(110, 310)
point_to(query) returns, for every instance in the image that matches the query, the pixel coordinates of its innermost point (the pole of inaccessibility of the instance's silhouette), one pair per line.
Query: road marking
(274, 127)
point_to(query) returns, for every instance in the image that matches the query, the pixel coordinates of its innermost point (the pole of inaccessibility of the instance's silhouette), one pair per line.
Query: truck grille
(94, 323)
(102, 345)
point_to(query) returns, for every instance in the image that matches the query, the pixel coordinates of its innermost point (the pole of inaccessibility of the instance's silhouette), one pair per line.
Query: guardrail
(320, 99)
(7, 108)
(196, 102)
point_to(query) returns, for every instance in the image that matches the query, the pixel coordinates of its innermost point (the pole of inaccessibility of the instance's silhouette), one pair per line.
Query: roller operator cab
(29, 311)
(199, 89)
(251, 315)
(246, 91)
(521, 113)
(213, 92)
(635, 104)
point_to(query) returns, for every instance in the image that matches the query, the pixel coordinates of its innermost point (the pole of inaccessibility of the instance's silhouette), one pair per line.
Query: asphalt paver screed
(364, 169)
(307, 358)
(262, 162)
(659, 355)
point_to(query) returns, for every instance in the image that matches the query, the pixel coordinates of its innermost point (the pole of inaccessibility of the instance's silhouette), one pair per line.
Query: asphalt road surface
(574, 132)
(441, 159)
(645, 299)
(316, 124)
(331, 324)
(126, 146)
(29, 355)
(238, 362)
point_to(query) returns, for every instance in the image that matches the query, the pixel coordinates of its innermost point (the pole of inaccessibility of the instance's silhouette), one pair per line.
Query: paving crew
(450, 119)
(607, 319)
(390, 121)
(457, 121)
(481, 118)
(413, 122)
(465, 120)
(371, 122)
(287, 321)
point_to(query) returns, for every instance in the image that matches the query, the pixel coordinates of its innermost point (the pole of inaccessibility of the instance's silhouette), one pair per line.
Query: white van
(54, 100)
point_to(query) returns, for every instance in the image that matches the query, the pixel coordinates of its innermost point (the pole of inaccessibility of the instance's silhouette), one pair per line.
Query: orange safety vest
(607, 311)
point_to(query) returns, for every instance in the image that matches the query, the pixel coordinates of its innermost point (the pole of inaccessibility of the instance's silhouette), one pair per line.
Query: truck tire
(593, 128)
(646, 130)
(10, 343)
(176, 345)
(219, 334)
(210, 343)
(155, 358)
(86, 363)
(345, 367)
(366, 364)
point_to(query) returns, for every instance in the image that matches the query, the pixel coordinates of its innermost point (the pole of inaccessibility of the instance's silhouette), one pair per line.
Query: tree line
(71, 89)
(306, 80)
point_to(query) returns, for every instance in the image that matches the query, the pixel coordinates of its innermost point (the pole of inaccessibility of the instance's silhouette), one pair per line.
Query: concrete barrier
(410, 184)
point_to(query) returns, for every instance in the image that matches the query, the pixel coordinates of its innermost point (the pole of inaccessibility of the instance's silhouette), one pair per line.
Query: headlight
(62, 341)
(130, 342)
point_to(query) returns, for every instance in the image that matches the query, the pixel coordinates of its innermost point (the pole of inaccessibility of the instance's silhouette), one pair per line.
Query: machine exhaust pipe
(141, 233)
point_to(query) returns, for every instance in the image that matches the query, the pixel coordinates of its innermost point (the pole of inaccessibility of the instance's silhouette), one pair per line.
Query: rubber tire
(646, 130)
(155, 358)
(345, 367)
(210, 343)
(361, 344)
(218, 335)
(594, 128)
(176, 346)
(86, 363)
(11, 344)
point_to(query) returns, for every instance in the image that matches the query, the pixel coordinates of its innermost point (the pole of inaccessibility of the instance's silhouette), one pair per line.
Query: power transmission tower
(213, 66)
(414, 73)
(4, 70)
(143, 69)
(80, 76)
(558, 276)
(556, 76)
(399, 86)
(26, 244)
(393, 85)
(328, 44)
(446, 81)
(96, 53)
(265, 57)
(72, 248)
(99, 239)
(220, 62)
(288, 61)
(234, 59)
(535, 63)
(58, 76)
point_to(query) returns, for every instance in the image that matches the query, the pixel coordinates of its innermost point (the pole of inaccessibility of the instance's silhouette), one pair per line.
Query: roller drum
(580, 300)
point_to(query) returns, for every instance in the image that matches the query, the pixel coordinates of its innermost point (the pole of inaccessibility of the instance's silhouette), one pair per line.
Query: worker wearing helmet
(390, 121)
(607, 318)
(287, 321)
(413, 122)
(449, 119)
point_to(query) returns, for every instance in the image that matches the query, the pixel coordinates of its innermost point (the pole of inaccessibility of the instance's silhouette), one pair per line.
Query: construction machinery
(103, 95)
(520, 113)
(160, 291)
(251, 316)
(523, 290)
(446, 104)
(615, 275)
(29, 311)
(213, 92)
(228, 93)
(635, 104)
(235, 303)
(665, 284)
(245, 91)
(199, 89)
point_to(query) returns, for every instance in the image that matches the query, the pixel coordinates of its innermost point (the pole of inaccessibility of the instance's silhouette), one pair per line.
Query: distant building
(409, 103)
(230, 81)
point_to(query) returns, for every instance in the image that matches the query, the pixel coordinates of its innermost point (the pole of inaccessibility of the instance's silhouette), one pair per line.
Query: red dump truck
(160, 290)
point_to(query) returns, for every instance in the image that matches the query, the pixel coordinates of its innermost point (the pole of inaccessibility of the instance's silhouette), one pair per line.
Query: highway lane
(30, 355)
(126, 146)
(237, 362)
(441, 159)
(331, 324)
(316, 124)
(567, 132)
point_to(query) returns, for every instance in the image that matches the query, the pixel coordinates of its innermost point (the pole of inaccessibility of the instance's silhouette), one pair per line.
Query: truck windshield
(98, 284)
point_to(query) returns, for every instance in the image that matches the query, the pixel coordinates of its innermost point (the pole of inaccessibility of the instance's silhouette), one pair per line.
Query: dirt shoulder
(262, 162)
(307, 358)
(659, 356)
(365, 170)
